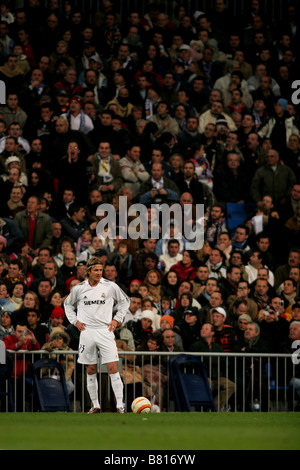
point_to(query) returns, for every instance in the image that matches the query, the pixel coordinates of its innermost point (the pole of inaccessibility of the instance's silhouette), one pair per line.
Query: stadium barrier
(239, 382)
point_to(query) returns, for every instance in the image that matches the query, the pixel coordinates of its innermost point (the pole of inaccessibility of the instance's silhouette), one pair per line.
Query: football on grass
(141, 405)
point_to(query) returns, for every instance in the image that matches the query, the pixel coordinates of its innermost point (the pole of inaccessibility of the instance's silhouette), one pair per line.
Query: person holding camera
(158, 189)
(274, 329)
(22, 340)
(59, 341)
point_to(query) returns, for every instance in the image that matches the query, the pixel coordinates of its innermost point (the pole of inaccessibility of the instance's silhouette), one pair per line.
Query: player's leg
(110, 357)
(92, 387)
(117, 385)
(88, 355)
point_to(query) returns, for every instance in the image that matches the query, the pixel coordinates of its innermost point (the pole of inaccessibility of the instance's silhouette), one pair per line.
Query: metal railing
(240, 382)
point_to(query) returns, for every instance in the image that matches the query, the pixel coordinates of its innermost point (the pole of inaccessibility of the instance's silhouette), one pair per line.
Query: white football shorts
(93, 339)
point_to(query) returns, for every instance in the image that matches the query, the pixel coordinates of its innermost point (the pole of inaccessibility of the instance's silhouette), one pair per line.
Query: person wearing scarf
(6, 328)
(76, 118)
(260, 294)
(215, 263)
(15, 203)
(108, 172)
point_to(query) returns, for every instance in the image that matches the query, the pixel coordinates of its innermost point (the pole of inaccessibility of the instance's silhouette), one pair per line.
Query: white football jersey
(93, 306)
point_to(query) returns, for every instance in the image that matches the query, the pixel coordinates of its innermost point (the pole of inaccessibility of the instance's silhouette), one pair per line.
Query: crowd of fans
(190, 109)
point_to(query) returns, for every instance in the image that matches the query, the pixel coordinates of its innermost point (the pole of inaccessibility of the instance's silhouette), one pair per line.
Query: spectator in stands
(153, 281)
(294, 380)
(21, 341)
(33, 324)
(189, 327)
(141, 328)
(50, 271)
(225, 245)
(108, 171)
(133, 171)
(60, 340)
(216, 264)
(252, 343)
(74, 224)
(157, 156)
(170, 284)
(222, 387)
(280, 127)
(44, 292)
(263, 243)
(14, 273)
(243, 292)
(215, 224)
(12, 112)
(239, 308)
(171, 256)
(211, 286)
(5, 301)
(289, 292)
(231, 183)
(274, 329)
(68, 268)
(200, 192)
(229, 285)
(186, 269)
(158, 188)
(134, 311)
(10, 72)
(240, 239)
(261, 293)
(169, 337)
(56, 319)
(224, 333)
(267, 182)
(72, 165)
(216, 300)
(164, 121)
(36, 226)
(212, 115)
(200, 281)
(282, 272)
(6, 327)
(255, 263)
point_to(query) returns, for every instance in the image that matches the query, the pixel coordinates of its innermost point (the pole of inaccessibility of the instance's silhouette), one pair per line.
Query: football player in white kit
(89, 307)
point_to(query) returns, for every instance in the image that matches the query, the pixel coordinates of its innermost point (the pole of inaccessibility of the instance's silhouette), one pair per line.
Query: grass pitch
(164, 431)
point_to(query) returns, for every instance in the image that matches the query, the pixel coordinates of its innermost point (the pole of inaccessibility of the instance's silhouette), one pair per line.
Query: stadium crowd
(193, 108)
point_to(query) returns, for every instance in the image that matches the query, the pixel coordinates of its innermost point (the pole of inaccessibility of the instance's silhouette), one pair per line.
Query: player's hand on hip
(80, 326)
(113, 325)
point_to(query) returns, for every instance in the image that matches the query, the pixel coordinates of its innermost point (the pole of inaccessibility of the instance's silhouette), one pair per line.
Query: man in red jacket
(22, 340)
(224, 333)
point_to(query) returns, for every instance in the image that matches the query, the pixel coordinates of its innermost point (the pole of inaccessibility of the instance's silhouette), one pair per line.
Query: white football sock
(92, 388)
(117, 386)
